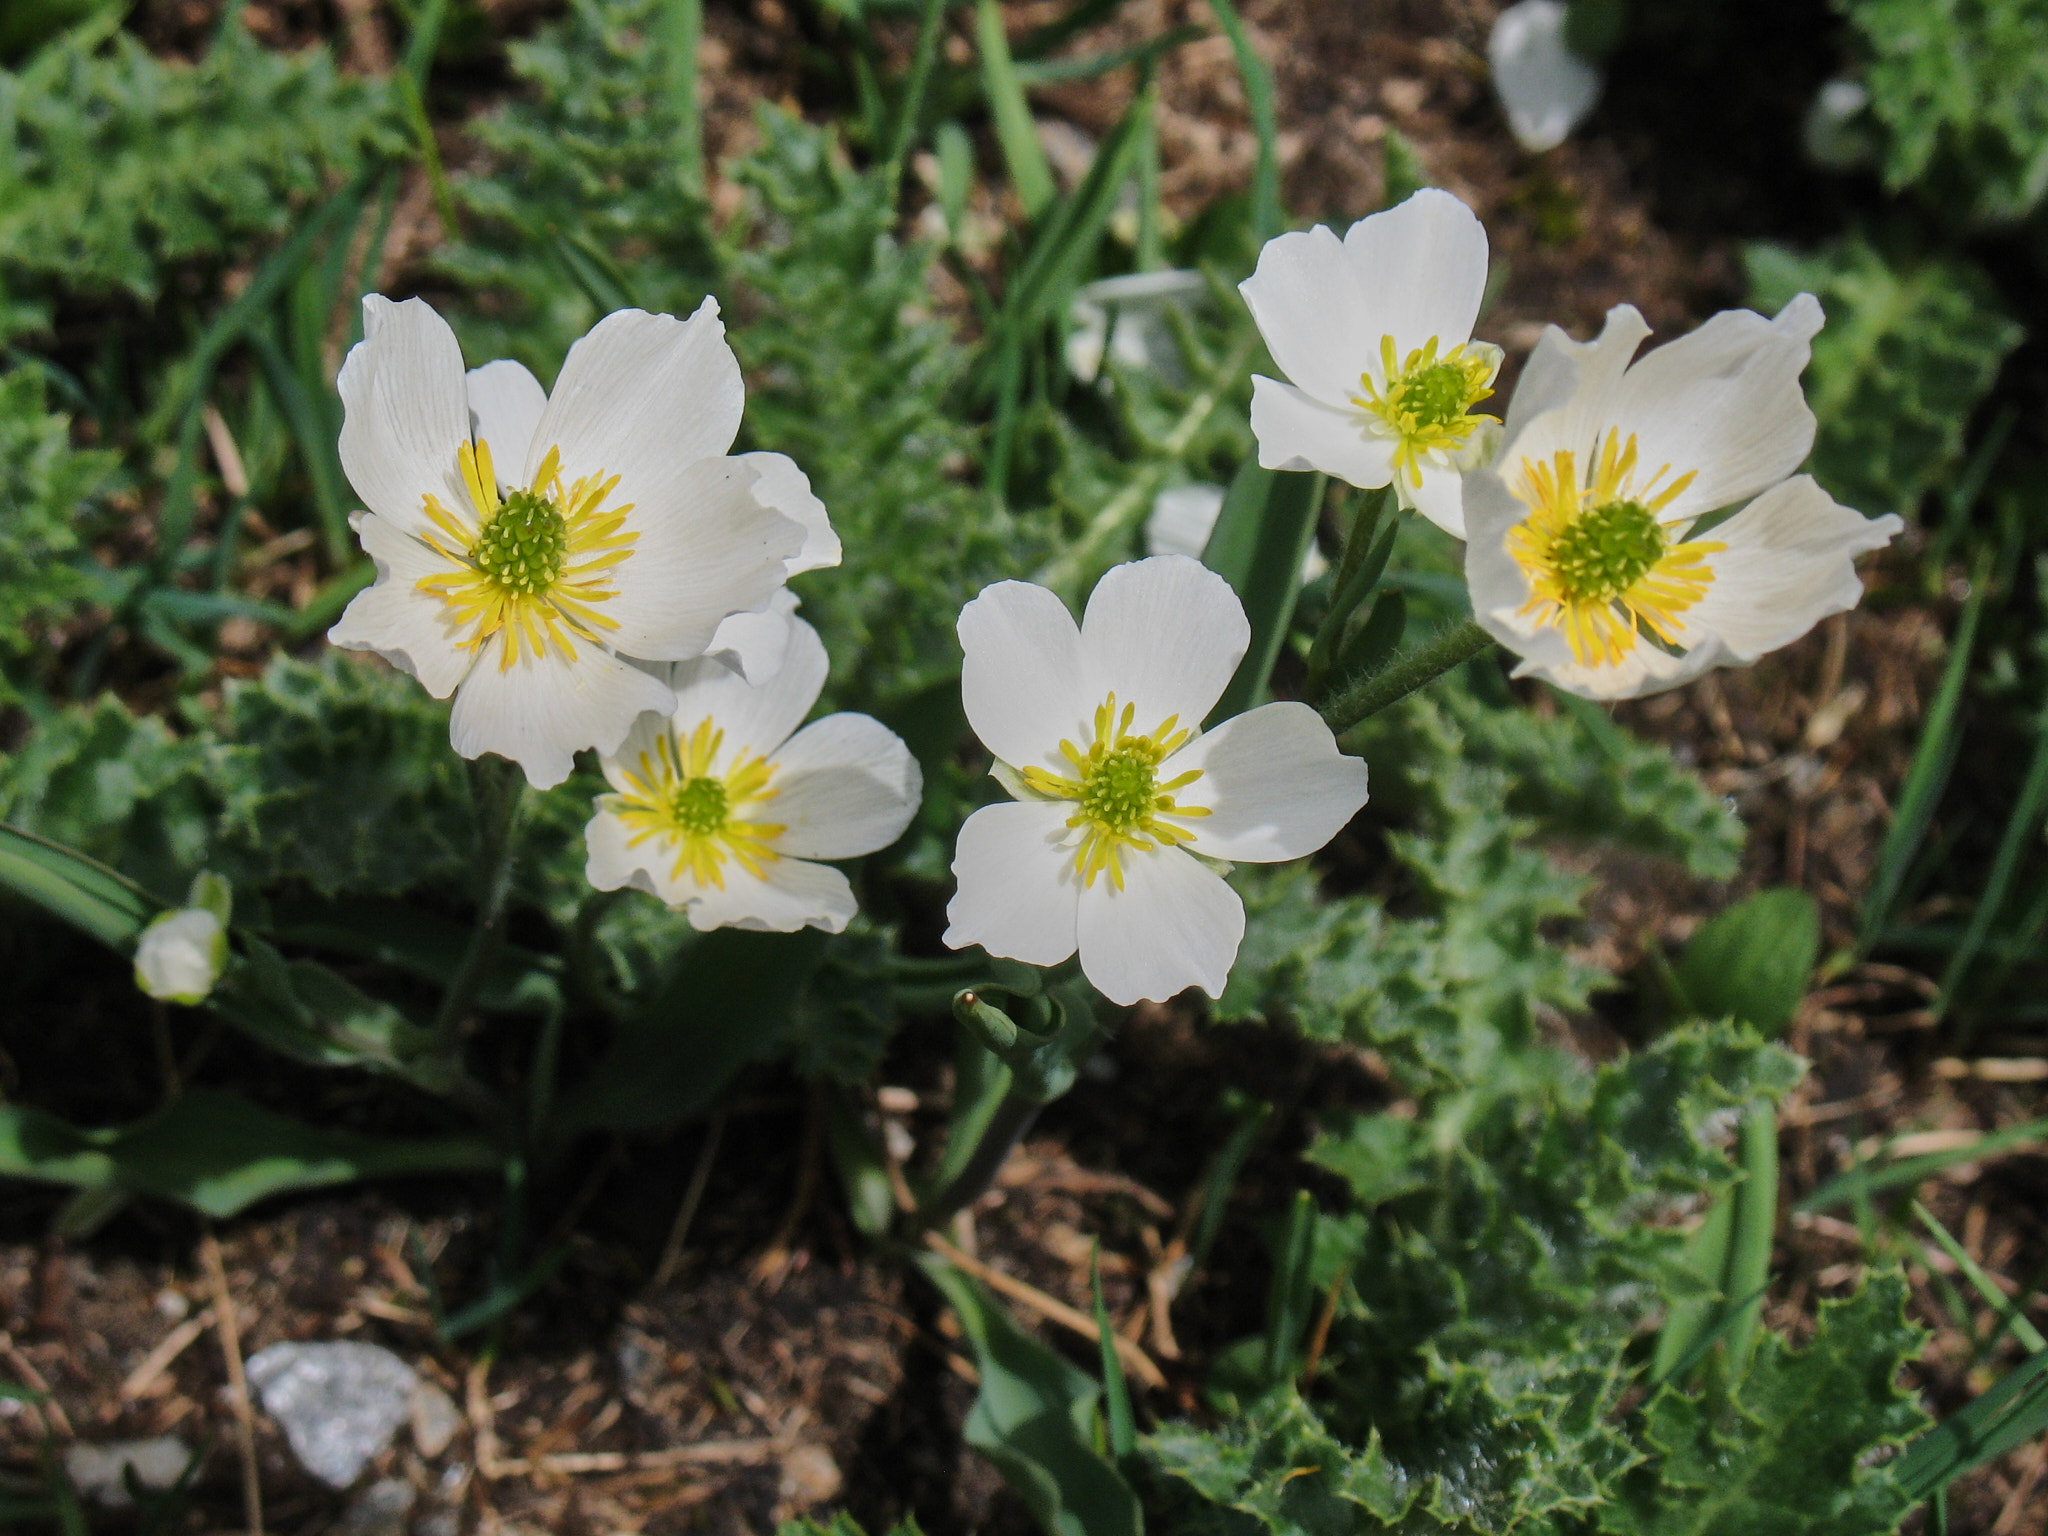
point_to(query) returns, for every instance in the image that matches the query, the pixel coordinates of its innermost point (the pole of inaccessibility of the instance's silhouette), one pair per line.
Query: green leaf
(218, 1154)
(1034, 1418)
(1266, 526)
(81, 891)
(1792, 1452)
(727, 1002)
(1909, 350)
(1016, 133)
(1752, 962)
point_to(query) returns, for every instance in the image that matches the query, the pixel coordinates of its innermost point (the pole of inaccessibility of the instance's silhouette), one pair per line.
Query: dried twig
(1135, 1360)
(702, 1453)
(158, 1360)
(52, 1411)
(238, 1383)
(678, 1234)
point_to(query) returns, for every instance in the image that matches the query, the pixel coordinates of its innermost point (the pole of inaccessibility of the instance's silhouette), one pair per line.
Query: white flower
(181, 955)
(527, 543)
(1183, 517)
(719, 810)
(1545, 87)
(1583, 556)
(753, 644)
(1119, 799)
(1375, 332)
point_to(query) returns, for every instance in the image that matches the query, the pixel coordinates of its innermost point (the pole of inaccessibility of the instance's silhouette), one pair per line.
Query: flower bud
(181, 954)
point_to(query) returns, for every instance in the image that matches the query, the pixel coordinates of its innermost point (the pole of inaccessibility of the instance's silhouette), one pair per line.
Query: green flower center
(1607, 549)
(1119, 791)
(524, 546)
(1438, 395)
(700, 806)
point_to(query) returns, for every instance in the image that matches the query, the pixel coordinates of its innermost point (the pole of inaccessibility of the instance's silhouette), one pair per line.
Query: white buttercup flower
(1545, 87)
(1583, 556)
(528, 543)
(181, 955)
(1120, 800)
(1375, 333)
(720, 811)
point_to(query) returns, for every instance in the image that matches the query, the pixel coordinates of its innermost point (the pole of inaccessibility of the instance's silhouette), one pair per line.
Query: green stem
(499, 788)
(1404, 674)
(1006, 1127)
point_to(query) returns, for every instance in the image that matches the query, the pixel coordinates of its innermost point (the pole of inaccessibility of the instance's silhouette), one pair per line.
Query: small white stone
(382, 1509)
(339, 1403)
(435, 1418)
(97, 1471)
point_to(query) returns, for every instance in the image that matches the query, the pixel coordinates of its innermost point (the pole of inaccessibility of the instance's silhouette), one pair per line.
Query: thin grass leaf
(1874, 1178)
(1016, 133)
(1061, 71)
(910, 110)
(2021, 828)
(314, 436)
(1292, 1292)
(2012, 1412)
(1268, 579)
(1116, 1392)
(682, 23)
(1267, 217)
(1221, 1177)
(1933, 758)
(81, 891)
(1755, 1202)
(2008, 1310)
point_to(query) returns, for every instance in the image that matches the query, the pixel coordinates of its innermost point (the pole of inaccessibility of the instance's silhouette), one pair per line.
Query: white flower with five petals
(1121, 801)
(530, 545)
(1375, 333)
(722, 812)
(1585, 554)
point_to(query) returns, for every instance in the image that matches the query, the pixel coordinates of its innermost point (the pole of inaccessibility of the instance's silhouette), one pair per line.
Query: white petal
(756, 717)
(505, 405)
(844, 786)
(781, 485)
(1322, 328)
(1592, 406)
(1296, 432)
(1422, 267)
(1725, 401)
(1018, 896)
(1546, 88)
(755, 644)
(1274, 782)
(706, 549)
(542, 710)
(643, 397)
(1440, 497)
(405, 412)
(1183, 517)
(1788, 565)
(1165, 634)
(790, 894)
(392, 617)
(1174, 925)
(1022, 679)
(638, 751)
(609, 863)
(1548, 379)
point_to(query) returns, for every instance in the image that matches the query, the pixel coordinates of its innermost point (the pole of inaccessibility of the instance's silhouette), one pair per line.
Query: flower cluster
(592, 568)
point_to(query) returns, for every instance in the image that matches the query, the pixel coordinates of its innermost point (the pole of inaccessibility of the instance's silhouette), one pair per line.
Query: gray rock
(96, 1471)
(339, 1403)
(382, 1509)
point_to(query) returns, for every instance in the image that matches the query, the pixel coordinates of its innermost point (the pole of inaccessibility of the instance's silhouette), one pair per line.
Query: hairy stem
(499, 789)
(1006, 1127)
(1404, 674)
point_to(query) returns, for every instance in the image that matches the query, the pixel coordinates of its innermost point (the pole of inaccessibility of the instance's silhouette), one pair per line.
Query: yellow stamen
(678, 796)
(1426, 402)
(1116, 782)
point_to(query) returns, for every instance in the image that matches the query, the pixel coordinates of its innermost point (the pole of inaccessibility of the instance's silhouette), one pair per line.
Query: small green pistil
(1119, 790)
(1436, 396)
(1606, 550)
(524, 547)
(700, 806)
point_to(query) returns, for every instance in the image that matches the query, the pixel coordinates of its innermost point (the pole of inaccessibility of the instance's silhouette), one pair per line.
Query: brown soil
(798, 1369)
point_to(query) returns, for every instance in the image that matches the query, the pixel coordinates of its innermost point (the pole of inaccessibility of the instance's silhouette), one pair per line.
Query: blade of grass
(2021, 826)
(1267, 218)
(1875, 1178)
(682, 25)
(1933, 758)
(911, 108)
(1079, 18)
(2010, 1413)
(1061, 71)
(1116, 1392)
(314, 435)
(1276, 513)
(1151, 253)
(1287, 1302)
(1755, 1201)
(1030, 171)
(2007, 1309)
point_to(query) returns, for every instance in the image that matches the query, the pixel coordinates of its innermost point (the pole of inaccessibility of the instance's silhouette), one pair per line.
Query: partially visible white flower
(1124, 319)
(1120, 803)
(1375, 334)
(1545, 87)
(1582, 556)
(1838, 133)
(1183, 517)
(181, 955)
(529, 545)
(721, 812)
(753, 644)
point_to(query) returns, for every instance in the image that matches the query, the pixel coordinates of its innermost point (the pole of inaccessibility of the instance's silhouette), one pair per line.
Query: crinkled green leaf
(1909, 350)
(44, 485)
(1795, 1451)
(1961, 89)
(1753, 961)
